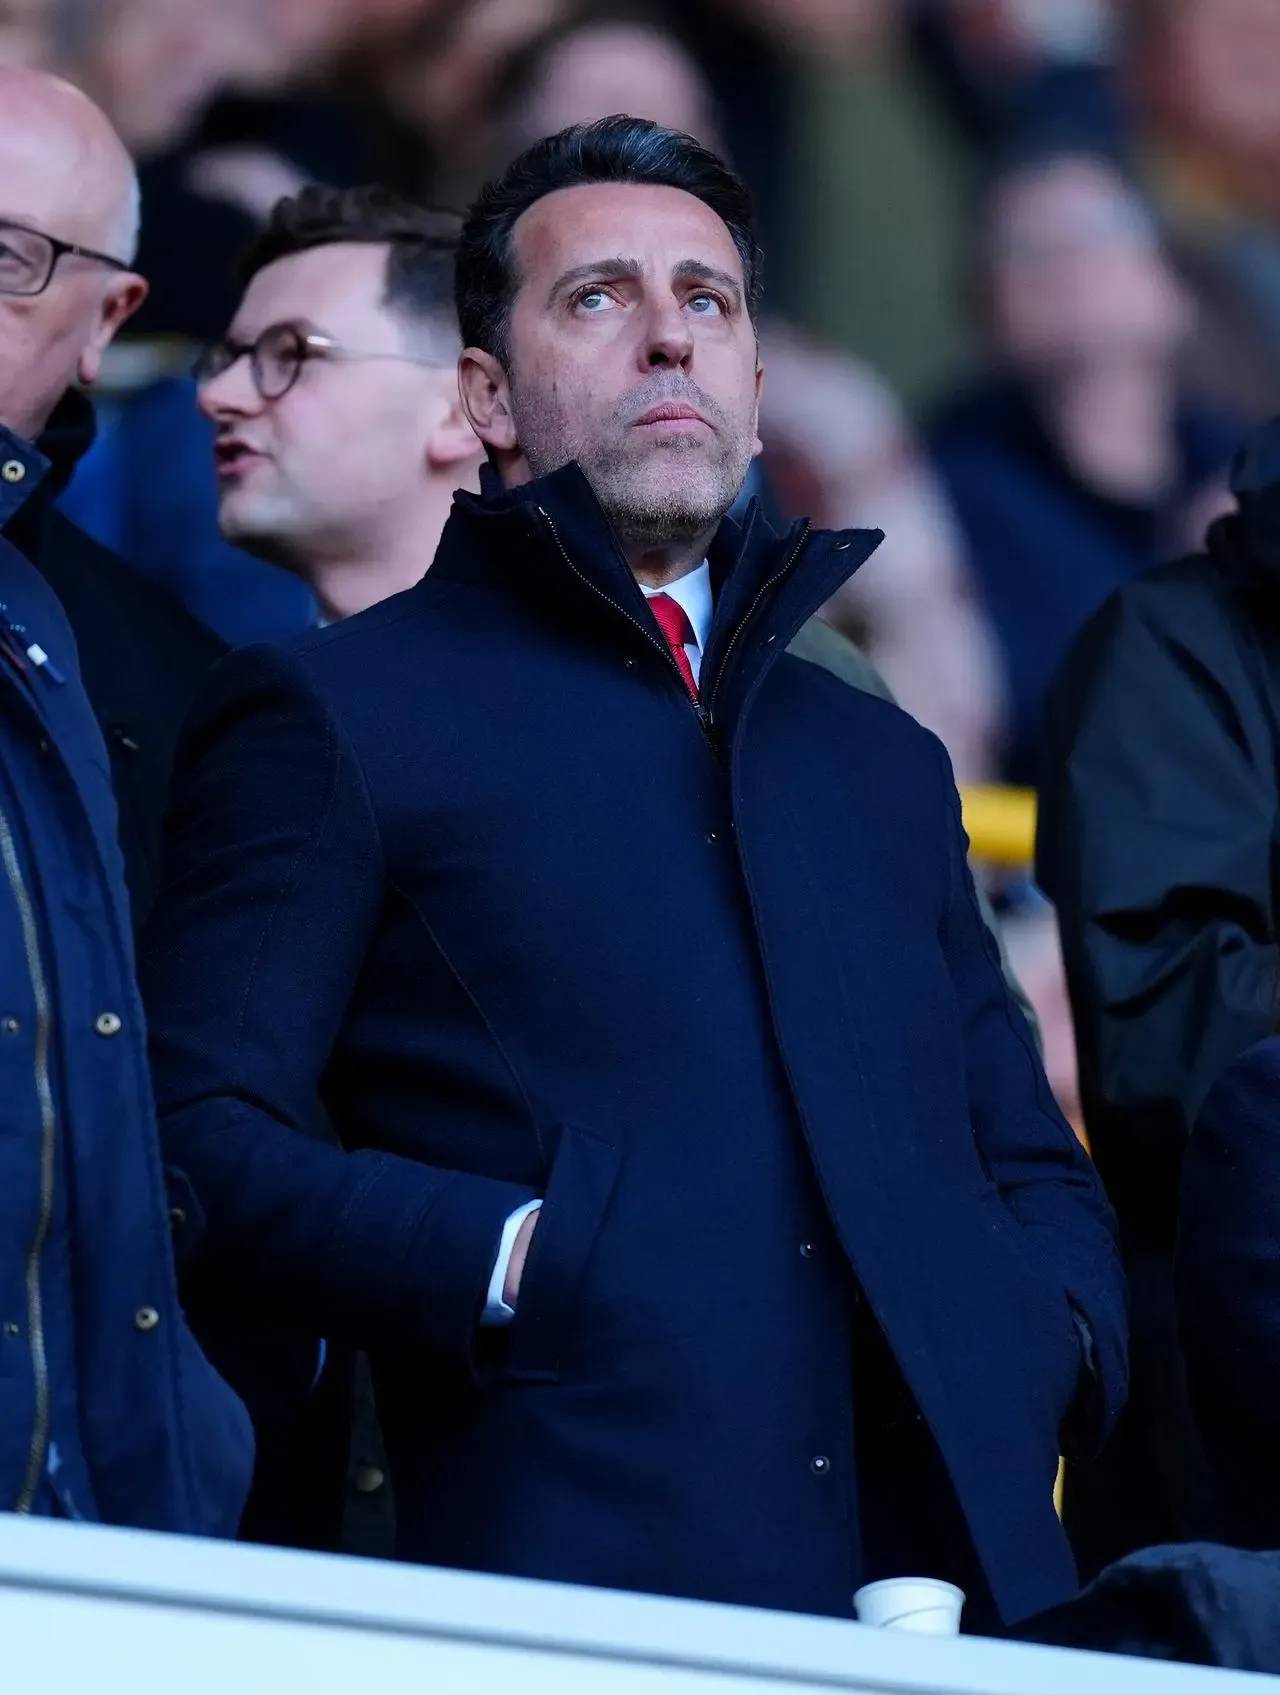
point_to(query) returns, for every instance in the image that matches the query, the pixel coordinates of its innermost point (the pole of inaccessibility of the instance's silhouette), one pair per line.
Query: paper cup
(925, 1605)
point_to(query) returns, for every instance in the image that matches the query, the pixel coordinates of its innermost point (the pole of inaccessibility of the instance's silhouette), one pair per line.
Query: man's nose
(668, 335)
(231, 394)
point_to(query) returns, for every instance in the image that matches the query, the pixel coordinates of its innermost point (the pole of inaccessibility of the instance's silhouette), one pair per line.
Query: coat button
(628, 665)
(108, 1024)
(808, 1250)
(13, 470)
(713, 836)
(819, 1465)
(177, 1218)
(11, 1329)
(9, 1026)
(146, 1318)
(368, 1479)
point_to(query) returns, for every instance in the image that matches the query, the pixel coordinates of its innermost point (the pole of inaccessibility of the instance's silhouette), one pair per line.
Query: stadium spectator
(93, 1348)
(340, 433)
(472, 866)
(1204, 80)
(141, 656)
(837, 445)
(1078, 461)
(1158, 842)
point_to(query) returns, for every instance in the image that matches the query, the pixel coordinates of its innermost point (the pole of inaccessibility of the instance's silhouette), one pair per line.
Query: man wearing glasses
(340, 435)
(107, 1409)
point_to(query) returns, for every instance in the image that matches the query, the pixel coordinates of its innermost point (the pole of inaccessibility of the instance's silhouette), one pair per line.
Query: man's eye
(594, 300)
(706, 305)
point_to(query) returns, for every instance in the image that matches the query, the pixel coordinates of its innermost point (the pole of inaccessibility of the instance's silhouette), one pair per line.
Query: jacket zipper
(701, 712)
(751, 610)
(44, 1093)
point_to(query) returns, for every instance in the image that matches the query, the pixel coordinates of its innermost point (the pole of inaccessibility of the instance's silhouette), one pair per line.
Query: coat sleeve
(273, 887)
(1043, 1174)
(1156, 847)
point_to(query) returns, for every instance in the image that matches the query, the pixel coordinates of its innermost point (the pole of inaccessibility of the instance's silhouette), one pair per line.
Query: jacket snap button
(368, 1479)
(628, 665)
(819, 1465)
(13, 471)
(713, 835)
(12, 1329)
(108, 1024)
(177, 1218)
(10, 1026)
(146, 1318)
(808, 1250)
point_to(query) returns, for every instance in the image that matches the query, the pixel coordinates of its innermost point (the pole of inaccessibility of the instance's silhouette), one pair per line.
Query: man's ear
(123, 297)
(453, 441)
(757, 446)
(486, 399)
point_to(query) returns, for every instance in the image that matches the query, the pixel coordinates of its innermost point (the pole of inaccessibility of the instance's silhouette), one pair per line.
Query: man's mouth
(234, 458)
(675, 415)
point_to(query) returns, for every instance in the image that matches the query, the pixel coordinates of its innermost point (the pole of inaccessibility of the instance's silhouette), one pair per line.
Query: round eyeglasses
(28, 258)
(277, 356)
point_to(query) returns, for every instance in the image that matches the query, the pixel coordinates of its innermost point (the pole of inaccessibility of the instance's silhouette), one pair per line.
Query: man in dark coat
(702, 1201)
(1159, 840)
(107, 1408)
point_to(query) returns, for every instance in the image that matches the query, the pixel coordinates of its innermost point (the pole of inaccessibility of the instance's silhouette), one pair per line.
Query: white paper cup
(925, 1605)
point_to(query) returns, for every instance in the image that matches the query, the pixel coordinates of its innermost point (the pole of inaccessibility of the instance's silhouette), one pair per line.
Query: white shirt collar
(693, 594)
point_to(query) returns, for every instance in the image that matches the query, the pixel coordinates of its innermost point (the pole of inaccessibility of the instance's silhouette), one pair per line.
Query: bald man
(108, 1411)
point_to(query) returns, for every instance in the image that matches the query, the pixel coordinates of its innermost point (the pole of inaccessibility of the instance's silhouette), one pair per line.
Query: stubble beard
(655, 494)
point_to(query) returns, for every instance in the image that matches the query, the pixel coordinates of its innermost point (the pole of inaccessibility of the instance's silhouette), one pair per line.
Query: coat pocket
(584, 1173)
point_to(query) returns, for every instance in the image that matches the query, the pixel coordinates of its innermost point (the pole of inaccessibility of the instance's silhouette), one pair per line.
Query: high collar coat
(713, 982)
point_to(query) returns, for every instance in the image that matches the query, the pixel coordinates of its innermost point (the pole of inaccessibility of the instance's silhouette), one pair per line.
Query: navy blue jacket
(107, 1408)
(1228, 1278)
(715, 984)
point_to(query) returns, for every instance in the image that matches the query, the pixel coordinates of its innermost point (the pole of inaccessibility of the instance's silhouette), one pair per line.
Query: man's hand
(519, 1253)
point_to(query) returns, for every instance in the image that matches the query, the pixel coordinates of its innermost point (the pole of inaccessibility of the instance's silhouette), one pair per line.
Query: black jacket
(142, 655)
(1160, 839)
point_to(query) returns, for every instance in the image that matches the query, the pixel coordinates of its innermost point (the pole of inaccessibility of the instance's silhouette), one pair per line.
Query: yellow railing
(1001, 823)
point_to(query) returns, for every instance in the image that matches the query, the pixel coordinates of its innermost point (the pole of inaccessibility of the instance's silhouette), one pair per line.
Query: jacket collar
(552, 539)
(47, 467)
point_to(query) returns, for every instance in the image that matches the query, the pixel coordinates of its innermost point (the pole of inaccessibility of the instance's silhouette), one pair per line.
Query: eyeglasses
(277, 356)
(28, 258)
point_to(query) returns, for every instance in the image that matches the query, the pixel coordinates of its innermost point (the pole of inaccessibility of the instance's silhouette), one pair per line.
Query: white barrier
(96, 1612)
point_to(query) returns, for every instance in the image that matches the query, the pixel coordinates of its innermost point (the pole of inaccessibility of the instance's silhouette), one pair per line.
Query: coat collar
(48, 465)
(550, 538)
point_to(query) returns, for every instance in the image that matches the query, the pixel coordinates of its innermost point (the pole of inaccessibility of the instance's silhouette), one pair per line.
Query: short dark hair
(422, 240)
(618, 149)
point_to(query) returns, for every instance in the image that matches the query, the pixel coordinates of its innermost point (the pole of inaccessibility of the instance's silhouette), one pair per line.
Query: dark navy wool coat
(715, 984)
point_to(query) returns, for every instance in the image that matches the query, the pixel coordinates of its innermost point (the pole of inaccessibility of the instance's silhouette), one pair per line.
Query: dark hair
(619, 149)
(422, 242)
